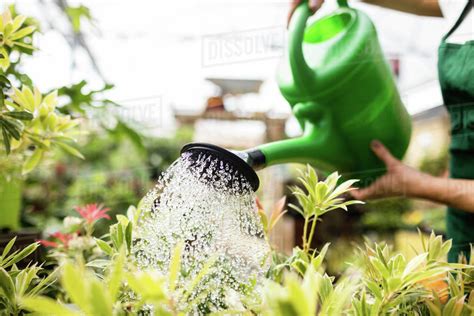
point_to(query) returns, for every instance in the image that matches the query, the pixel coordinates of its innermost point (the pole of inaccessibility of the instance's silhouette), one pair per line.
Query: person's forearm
(419, 7)
(458, 193)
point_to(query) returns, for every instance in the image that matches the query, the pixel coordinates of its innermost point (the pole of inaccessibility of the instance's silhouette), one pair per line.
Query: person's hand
(314, 6)
(399, 179)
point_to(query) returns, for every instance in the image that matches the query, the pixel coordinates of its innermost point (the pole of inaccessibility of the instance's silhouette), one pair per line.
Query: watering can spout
(317, 146)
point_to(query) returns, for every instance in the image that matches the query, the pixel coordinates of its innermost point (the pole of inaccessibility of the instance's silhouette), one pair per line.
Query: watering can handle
(343, 3)
(302, 73)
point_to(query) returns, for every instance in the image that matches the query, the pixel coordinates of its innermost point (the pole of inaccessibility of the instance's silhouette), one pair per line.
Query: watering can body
(343, 94)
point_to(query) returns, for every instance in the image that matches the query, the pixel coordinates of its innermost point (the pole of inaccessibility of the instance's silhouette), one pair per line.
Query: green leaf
(28, 47)
(23, 32)
(24, 279)
(44, 283)
(2, 97)
(115, 276)
(380, 267)
(149, 285)
(18, 256)
(6, 140)
(133, 214)
(46, 306)
(318, 260)
(470, 301)
(12, 127)
(374, 289)
(311, 284)
(32, 161)
(394, 283)
(104, 246)
(7, 286)
(414, 264)
(69, 149)
(76, 14)
(434, 309)
(4, 65)
(120, 235)
(8, 247)
(74, 283)
(454, 306)
(100, 303)
(175, 266)
(98, 263)
(18, 22)
(128, 236)
(4, 82)
(113, 231)
(20, 115)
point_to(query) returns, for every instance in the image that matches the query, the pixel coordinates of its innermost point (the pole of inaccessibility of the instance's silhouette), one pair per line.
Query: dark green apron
(456, 76)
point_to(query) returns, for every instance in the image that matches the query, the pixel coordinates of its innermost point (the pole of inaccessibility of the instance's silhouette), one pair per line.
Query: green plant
(42, 128)
(379, 282)
(121, 289)
(15, 283)
(31, 127)
(314, 293)
(396, 284)
(319, 198)
(15, 35)
(89, 294)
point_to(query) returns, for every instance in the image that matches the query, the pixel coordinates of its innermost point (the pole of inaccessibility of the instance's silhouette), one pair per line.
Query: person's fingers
(294, 5)
(365, 193)
(382, 187)
(383, 153)
(315, 5)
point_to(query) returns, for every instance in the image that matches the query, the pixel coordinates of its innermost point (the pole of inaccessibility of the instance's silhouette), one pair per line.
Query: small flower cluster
(76, 235)
(92, 212)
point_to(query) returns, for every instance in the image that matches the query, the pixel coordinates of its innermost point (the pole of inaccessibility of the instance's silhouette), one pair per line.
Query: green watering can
(343, 94)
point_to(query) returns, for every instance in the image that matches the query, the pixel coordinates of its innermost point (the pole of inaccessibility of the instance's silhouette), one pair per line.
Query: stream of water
(209, 206)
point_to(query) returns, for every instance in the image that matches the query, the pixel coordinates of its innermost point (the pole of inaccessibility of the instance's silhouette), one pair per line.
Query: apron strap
(469, 6)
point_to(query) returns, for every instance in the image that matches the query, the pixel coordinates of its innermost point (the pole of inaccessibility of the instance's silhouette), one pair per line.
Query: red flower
(61, 240)
(92, 212)
(48, 243)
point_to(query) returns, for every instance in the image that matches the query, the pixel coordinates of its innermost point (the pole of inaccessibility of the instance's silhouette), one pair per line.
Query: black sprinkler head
(226, 156)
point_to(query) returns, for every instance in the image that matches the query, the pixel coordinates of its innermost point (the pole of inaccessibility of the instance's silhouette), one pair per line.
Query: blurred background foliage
(121, 161)
(117, 172)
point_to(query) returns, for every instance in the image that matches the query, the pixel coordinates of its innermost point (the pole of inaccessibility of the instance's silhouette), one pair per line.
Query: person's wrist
(418, 184)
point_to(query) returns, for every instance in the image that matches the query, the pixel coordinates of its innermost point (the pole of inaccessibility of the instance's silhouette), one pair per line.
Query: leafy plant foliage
(104, 280)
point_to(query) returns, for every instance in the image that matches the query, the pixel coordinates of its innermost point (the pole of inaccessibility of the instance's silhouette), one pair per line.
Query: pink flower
(61, 240)
(48, 243)
(92, 212)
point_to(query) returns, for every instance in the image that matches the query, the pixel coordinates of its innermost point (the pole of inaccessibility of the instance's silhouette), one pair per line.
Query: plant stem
(311, 233)
(305, 229)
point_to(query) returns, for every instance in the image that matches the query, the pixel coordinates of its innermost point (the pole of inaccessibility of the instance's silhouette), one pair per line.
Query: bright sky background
(157, 48)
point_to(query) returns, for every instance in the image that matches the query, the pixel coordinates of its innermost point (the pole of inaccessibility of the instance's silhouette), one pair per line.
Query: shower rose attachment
(343, 94)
